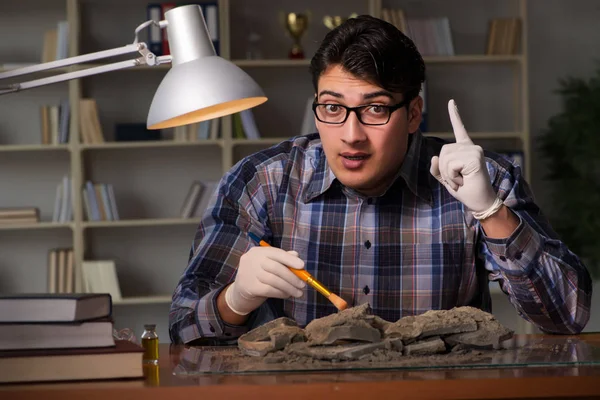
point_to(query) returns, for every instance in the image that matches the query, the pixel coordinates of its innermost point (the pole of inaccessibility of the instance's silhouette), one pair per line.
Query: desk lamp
(199, 86)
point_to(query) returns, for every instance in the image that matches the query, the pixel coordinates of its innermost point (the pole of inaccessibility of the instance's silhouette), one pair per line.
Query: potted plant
(571, 145)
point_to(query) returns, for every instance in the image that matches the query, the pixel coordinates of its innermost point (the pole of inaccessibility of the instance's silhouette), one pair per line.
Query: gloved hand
(263, 273)
(461, 168)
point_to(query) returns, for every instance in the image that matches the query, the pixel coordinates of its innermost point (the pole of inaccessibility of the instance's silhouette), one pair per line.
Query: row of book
(97, 276)
(503, 36)
(40, 331)
(56, 43)
(197, 198)
(61, 271)
(433, 36)
(63, 202)
(55, 122)
(209, 129)
(99, 202)
(244, 125)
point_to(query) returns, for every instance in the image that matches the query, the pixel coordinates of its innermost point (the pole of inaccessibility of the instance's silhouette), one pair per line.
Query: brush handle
(304, 275)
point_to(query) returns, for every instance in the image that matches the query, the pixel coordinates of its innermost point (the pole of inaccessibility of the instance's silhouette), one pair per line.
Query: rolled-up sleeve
(547, 283)
(220, 240)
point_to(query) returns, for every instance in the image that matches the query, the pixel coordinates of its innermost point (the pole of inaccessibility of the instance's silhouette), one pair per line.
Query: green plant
(571, 145)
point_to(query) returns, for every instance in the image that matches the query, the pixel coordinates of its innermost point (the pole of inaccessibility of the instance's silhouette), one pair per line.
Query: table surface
(160, 382)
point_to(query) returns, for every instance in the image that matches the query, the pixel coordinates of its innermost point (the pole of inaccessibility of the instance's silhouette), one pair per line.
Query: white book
(62, 46)
(100, 276)
(203, 130)
(51, 278)
(249, 124)
(106, 202)
(57, 203)
(66, 199)
(214, 128)
(113, 202)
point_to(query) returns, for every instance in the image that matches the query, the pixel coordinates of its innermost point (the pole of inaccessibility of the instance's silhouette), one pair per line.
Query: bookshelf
(150, 243)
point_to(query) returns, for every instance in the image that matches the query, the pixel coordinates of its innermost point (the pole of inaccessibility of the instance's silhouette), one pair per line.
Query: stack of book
(63, 337)
(19, 215)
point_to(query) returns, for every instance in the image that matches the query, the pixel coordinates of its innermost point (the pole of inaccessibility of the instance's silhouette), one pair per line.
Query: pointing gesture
(461, 169)
(460, 133)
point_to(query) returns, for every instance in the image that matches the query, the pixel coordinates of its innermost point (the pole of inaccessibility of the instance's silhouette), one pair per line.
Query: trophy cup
(296, 25)
(333, 21)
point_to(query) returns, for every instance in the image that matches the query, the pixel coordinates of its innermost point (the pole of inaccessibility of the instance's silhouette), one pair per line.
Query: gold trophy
(333, 21)
(296, 24)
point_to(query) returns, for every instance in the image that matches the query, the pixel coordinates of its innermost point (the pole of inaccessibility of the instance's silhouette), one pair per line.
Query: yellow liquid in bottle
(150, 346)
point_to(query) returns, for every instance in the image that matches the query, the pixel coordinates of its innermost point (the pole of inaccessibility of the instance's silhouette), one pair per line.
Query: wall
(564, 39)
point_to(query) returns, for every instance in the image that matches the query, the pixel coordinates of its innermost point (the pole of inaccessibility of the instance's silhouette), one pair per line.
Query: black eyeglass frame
(391, 109)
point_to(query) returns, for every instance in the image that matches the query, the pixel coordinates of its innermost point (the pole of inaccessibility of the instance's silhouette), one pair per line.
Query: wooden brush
(337, 301)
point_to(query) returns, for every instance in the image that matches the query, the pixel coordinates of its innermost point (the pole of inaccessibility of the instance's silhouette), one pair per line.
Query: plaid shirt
(413, 249)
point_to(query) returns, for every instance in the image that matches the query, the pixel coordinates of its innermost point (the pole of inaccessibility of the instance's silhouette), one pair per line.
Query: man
(375, 211)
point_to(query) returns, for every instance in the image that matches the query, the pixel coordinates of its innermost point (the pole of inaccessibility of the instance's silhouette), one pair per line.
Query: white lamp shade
(202, 89)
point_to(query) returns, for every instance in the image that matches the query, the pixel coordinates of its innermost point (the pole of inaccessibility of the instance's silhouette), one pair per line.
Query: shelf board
(283, 62)
(141, 222)
(261, 141)
(473, 58)
(469, 58)
(143, 300)
(161, 67)
(35, 225)
(150, 144)
(34, 147)
(479, 135)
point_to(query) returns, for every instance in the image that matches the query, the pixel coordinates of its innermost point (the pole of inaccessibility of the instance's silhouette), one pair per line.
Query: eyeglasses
(371, 114)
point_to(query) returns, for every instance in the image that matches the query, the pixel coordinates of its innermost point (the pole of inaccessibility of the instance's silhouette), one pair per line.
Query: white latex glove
(461, 168)
(263, 274)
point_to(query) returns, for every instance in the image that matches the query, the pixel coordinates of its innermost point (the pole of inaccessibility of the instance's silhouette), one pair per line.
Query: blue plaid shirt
(413, 249)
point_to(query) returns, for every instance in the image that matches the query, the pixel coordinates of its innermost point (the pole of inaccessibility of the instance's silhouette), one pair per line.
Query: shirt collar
(414, 171)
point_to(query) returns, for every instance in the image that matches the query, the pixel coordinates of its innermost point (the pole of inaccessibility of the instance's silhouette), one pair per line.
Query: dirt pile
(356, 334)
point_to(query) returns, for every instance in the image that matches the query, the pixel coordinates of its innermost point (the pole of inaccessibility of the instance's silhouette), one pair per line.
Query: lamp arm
(148, 58)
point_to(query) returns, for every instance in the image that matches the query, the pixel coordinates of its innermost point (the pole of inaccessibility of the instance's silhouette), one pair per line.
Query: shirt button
(368, 244)
(518, 255)
(211, 328)
(502, 258)
(366, 289)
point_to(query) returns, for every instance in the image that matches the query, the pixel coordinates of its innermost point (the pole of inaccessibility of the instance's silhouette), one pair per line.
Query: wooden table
(568, 382)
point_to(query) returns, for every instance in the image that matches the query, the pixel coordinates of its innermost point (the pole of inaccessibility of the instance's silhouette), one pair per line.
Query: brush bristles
(338, 302)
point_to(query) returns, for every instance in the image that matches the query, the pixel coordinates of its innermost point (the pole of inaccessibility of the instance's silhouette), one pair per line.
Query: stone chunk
(357, 331)
(429, 346)
(345, 317)
(406, 328)
(446, 322)
(272, 336)
(490, 334)
(345, 352)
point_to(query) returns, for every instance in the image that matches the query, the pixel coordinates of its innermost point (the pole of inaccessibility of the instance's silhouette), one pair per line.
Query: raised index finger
(460, 133)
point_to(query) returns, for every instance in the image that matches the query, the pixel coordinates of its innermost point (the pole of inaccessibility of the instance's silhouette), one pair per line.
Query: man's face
(364, 158)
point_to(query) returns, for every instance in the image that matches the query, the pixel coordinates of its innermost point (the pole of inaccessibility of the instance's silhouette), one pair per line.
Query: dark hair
(373, 50)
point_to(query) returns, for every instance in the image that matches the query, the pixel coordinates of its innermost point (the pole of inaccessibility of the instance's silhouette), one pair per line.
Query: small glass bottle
(150, 344)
